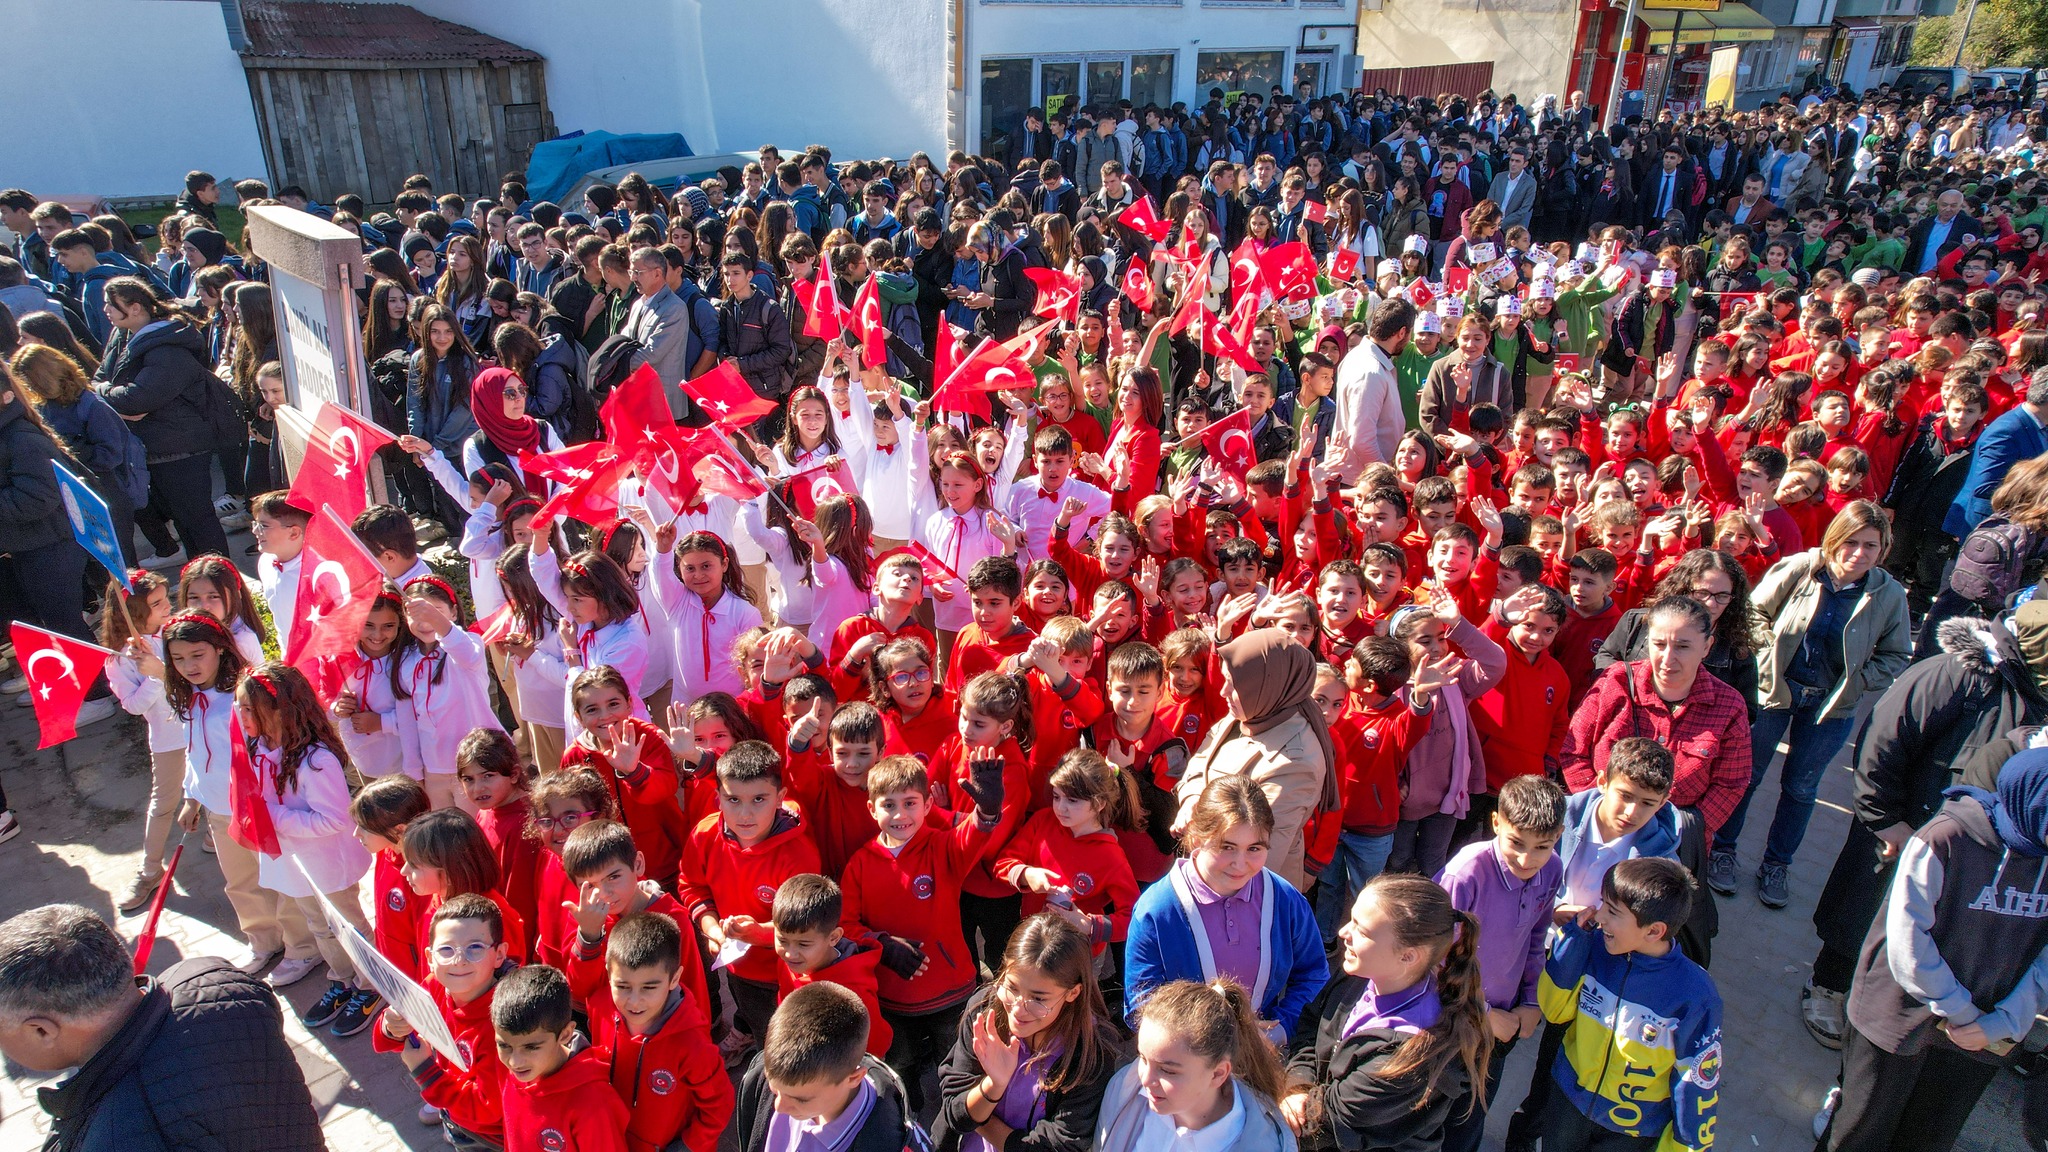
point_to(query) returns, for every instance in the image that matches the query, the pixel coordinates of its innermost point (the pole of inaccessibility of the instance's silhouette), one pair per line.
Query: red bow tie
(887, 449)
(1044, 494)
(697, 509)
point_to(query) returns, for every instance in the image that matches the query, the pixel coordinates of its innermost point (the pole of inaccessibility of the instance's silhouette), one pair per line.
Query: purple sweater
(1513, 915)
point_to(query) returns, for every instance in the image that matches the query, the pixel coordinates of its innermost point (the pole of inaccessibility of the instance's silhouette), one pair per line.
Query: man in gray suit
(661, 322)
(1515, 191)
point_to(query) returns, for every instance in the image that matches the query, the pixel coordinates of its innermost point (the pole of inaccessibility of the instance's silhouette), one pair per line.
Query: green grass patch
(231, 221)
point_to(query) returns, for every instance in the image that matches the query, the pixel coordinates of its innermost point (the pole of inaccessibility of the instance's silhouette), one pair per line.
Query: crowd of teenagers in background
(1348, 651)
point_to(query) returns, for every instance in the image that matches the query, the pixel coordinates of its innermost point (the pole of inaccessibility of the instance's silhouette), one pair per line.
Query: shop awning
(1733, 24)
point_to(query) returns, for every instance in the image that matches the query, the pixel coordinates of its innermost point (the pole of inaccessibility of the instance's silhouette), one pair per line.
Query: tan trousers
(339, 966)
(658, 702)
(547, 743)
(444, 791)
(159, 820)
(269, 921)
(508, 683)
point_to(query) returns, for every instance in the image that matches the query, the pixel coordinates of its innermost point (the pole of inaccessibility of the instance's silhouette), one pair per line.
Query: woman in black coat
(162, 384)
(1611, 198)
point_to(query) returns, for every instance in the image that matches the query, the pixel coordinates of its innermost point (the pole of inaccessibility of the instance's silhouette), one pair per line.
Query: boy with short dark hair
(731, 867)
(664, 1065)
(833, 795)
(899, 587)
(1626, 817)
(1056, 496)
(609, 873)
(1131, 736)
(1064, 705)
(1590, 574)
(549, 1105)
(1523, 721)
(1640, 1064)
(466, 949)
(814, 1087)
(389, 535)
(1508, 884)
(811, 946)
(994, 639)
(279, 527)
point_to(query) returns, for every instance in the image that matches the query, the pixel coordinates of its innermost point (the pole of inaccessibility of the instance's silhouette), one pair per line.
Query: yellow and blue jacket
(1642, 1055)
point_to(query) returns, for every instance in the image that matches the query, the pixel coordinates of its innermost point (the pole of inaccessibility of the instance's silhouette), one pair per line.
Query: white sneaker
(176, 559)
(14, 684)
(430, 1115)
(253, 961)
(9, 826)
(291, 970)
(94, 711)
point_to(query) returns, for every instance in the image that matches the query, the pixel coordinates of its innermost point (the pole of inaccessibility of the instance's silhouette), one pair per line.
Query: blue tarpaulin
(557, 164)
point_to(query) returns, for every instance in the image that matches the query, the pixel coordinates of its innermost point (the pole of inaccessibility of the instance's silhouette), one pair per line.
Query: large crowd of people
(1039, 767)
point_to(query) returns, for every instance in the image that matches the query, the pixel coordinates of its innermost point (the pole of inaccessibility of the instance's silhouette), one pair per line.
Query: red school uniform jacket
(1157, 759)
(671, 1079)
(519, 856)
(922, 735)
(1093, 867)
(1373, 746)
(646, 799)
(1522, 722)
(914, 893)
(1058, 722)
(472, 1097)
(1577, 641)
(398, 926)
(722, 877)
(948, 769)
(589, 979)
(1191, 717)
(553, 928)
(975, 652)
(853, 685)
(561, 1113)
(854, 970)
(835, 812)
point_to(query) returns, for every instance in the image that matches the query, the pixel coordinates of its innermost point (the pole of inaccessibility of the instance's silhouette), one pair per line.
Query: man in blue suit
(2017, 436)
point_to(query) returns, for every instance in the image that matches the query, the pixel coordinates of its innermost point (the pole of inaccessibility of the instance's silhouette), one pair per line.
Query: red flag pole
(146, 943)
(766, 482)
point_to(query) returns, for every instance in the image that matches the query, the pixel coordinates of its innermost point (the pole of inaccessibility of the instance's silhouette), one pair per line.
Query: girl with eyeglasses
(560, 803)
(917, 711)
(1036, 1052)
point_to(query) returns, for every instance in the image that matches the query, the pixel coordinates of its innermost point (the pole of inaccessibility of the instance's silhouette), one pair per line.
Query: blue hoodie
(1657, 838)
(88, 291)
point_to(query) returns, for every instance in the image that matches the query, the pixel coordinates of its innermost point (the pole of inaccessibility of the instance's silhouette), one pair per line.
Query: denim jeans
(1814, 742)
(1357, 860)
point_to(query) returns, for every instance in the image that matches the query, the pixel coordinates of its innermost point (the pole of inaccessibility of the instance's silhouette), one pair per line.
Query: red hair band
(446, 588)
(576, 568)
(265, 683)
(194, 616)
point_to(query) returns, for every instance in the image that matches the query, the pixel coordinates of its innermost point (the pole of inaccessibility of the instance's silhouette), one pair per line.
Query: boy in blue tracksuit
(85, 278)
(1641, 1062)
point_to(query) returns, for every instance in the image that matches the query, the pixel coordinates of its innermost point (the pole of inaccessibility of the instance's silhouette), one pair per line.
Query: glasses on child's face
(1021, 1004)
(1707, 596)
(469, 953)
(565, 821)
(906, 679)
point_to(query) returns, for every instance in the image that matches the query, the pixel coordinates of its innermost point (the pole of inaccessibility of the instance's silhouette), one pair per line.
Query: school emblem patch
(395, 899)
(1190, 724)
(1067, 720)
(1370, 738)
(662, 1081)
(468, 1053)
(1083, 884)
(765, 893)
(924, 887)
(552, 1140)
(1550, 693)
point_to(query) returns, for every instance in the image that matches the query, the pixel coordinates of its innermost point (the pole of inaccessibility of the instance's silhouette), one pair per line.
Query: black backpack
(580, 417)
(610, 365)
(1996, 559)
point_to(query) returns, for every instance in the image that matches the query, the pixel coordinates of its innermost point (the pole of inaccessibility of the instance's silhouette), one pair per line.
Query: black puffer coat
(162, 377)
(31, 509)
(203, 1063)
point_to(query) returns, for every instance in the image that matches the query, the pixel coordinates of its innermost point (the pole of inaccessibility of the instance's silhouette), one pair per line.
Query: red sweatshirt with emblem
(1523, 720)
(472, 1097)
(1093, 866)
(949, 769)
(585, 968)
(646, 797)
(561, 1113)
(671, 1078)
(1378, 738)
(851, 683)
(914, 893)
(1058, 723)
(1577, 641)
(924, 734)
(975, 651)
(519, 855)
(398, 927)
(722, 877)
(554, 929)
(1156, 758)
(855, 970)
(517, 936)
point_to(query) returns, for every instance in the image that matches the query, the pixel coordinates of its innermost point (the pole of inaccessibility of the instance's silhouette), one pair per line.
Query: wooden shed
(356, 97)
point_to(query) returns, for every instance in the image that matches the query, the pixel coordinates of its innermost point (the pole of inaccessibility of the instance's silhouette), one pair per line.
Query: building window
(1005, 94)
(1152, 79)
(1251, 71)
(1066, 84)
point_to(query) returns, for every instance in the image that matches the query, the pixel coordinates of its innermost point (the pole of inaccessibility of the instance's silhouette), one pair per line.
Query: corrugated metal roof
(290, 30)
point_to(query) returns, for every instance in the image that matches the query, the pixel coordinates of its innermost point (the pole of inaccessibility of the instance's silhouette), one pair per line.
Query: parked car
(2020, 80)
(1941, 83)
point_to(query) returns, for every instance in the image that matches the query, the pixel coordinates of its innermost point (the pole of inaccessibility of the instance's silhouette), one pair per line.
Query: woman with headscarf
(202, 248)
(1955, 966)
(1275, 735)
(497, 398)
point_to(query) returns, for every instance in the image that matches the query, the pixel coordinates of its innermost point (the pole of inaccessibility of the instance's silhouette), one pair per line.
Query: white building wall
(865, 77)
(1053, 28)
(1529, 41)
(85, 84)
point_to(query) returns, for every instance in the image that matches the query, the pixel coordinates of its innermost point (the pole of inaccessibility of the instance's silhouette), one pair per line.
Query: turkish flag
(1137, 285)
(727, 397)
(1421, 294)
(824, 315)
(1290, 270)
(1235, 338)
(1344, 264)
(59, 671)
(495, 627)
(1737, 303)
(708, 461)
(338, 583)
(568, 466)
(868, 322)
(1059, 294)
(946, 361)
(1457, 280)
(1316, 210)
(335, 472)
(814, 486)
(1247, 272)
(1141, 217)
(1565, 362)
(931, 561)
(593, 499)
(638, 403)
(1192, 308)
(1229, 442)
(999, 365)
(249, 819)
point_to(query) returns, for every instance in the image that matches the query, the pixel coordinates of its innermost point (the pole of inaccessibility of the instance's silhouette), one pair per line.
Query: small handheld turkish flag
(868, 323)
(726, 396)
(1344, 264)
(1565, 362)
(1317, 211)
(824, 315)
(335, 472)
(1059, 294)
(59, 671)
(1229, 442)
(338, 584)
(1421, 294)
(1138, 286)
(1247, 273)
(1141, 217)
(1290, 269)
(1457, 279)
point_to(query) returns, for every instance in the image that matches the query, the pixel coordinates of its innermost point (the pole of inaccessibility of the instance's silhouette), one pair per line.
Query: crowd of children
(1136, 793)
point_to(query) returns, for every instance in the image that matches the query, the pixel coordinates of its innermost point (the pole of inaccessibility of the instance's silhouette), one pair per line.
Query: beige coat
(1287, 763)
